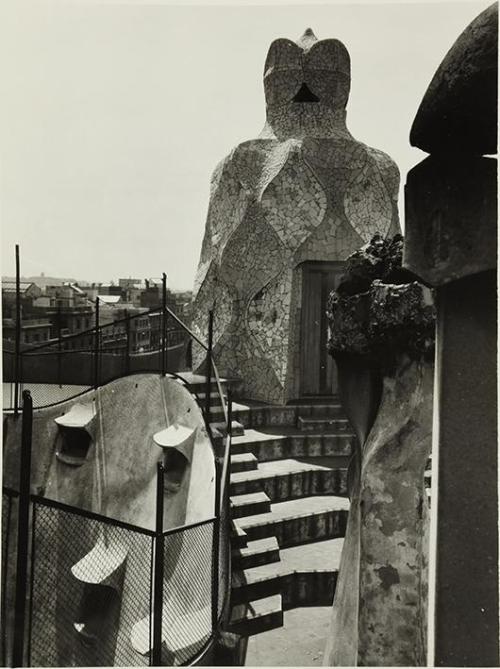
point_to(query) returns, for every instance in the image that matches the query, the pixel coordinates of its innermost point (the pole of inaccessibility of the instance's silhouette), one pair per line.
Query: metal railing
(167, 591)
(64, 367)
(91, 590)
(154, 340)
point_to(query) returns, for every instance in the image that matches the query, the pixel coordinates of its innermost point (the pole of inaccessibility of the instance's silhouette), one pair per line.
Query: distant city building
(151, 295)
(27, 289)
(70, 311)
(41, 280)
(109, 299)
(33, 331)
(128, 283)
(62, 308)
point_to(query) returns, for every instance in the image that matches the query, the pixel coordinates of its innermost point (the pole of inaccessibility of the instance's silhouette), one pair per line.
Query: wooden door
(318, 373)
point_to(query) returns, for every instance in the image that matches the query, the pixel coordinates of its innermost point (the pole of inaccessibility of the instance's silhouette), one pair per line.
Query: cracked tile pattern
(268, 319)
(304, 190)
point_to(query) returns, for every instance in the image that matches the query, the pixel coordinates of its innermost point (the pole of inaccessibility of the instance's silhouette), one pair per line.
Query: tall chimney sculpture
(303, 192)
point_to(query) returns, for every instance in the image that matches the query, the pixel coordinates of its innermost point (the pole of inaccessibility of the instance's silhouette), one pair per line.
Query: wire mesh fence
(91, 600)
(90, 590)
(224, 555)
(8, 571)
(91, 597)
(187, 592)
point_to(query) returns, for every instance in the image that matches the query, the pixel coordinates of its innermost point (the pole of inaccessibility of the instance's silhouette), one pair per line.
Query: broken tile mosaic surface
(304, 190)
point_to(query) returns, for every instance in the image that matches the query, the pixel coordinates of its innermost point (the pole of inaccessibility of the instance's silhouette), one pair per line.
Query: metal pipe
(59, 343)
(17, 358)
(227, 451)
(215, 546)
(127, 334)
(6, 528)
(209, 364)
(229, 410)
(164, 325)
(23, 531)
(96, 344)
(158, 570)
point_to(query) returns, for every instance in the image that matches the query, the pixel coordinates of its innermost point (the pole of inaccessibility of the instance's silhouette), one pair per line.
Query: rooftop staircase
(289, 506)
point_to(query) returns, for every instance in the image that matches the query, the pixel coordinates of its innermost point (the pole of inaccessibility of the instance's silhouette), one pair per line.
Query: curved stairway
(289, 506)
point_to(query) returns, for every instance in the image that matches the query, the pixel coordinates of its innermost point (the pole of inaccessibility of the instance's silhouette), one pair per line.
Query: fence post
(96, 344)
(229, 423)
(226, 513)
(209, 364)
(17, 357)
(229, 410)
(158, 570)
(164, 325)
(59, 344)
(215, 545)
(127, 344)
(23, 532)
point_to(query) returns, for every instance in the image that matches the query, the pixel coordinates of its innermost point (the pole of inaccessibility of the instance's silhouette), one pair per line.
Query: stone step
(253, 415)
(256, 553)
(269, 415)
(239, 412)
(237, 429)
(299, 521)
(249, 505)
(256, 415)
(323, 424)
(320, 410)
(215, 399)
(244, 462)
(256, 617)
(291, 479)
(289, 443)
(198, 383)
(255, 583)
(311, 572)
(305, 576)
(238, 537)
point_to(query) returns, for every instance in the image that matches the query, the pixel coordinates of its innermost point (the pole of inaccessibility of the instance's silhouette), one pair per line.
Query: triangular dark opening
(304, 94)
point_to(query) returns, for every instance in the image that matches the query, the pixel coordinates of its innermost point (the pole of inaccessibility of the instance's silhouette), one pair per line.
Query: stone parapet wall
(382, 335)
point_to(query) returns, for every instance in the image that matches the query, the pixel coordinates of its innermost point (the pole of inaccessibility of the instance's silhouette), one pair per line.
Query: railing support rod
(127, 343)
(59, 344)
(164, 325)
(216, 547)
(227, 454)
(23, 532)
(96, 344)
(17, 358)
(209, 364)
(229, 410)
(158, 571)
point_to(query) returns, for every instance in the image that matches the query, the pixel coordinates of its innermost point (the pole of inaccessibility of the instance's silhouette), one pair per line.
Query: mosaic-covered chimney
(285, 210)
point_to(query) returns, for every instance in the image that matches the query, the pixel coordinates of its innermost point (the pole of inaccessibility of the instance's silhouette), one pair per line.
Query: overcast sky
(114, 115)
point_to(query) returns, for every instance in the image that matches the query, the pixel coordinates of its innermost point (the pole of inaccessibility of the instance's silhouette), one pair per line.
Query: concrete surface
(299, 643)
(299, 521)
(380, 608)
(117, 479)
(296, 508)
